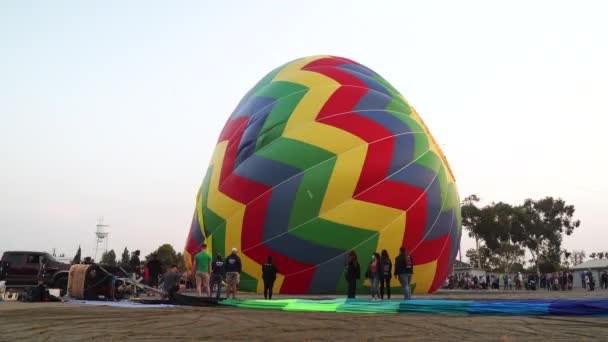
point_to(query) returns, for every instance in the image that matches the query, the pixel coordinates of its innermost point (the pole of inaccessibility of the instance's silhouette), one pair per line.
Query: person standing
(202, 271)
(404, 268)
(134, 265)
(385, 277)
(352, 273)
(218, 273)
(604, 280)
(233, 271)
(269, 275)
(583, 282)
(590, 280)
(373, 274)
(154, 270)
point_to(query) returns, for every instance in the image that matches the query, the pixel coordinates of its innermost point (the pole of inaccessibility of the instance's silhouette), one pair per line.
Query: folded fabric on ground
(121, 304)
(587, 307)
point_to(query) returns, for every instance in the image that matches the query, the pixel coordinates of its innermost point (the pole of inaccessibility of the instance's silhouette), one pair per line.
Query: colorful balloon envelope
(323, 156)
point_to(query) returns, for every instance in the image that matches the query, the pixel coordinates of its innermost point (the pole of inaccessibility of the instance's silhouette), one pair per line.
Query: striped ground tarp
(586, 307)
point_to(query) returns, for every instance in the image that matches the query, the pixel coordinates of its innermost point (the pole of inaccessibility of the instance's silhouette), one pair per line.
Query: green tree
(577, 257)
(566, 260)
(593, 255)
(167, 256)
(497, 220)
(508, 255)
(483, 255)
(600, 255)
(77, 257)
(492, 224)
(181, 264)
(539, 225)
(124, 258)
(471, 220)
(108, 258)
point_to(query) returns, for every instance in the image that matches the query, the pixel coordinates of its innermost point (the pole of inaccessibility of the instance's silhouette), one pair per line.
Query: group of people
(489, 281)
(210, 273)
(549, 281)
(379, 272)
(557, 281)
(588, 280)
(151, 274)
(148, 273)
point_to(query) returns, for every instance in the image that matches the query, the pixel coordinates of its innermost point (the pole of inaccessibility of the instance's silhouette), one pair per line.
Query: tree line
(165, 253)
(504, 232)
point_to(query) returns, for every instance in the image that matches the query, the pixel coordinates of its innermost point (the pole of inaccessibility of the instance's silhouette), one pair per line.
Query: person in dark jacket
(154, 270)
(269, 275)
(218, 273)
(353, 273)
(134, 264)
(233, 272)
(385, 276)
(404, 268)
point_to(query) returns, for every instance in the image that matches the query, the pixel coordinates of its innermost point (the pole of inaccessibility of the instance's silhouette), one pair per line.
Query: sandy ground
(71, 322)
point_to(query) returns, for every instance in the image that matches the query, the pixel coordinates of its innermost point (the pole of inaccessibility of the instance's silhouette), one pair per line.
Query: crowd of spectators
(557, 281)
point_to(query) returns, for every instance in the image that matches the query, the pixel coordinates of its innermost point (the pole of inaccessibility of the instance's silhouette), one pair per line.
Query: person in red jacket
(146, 273)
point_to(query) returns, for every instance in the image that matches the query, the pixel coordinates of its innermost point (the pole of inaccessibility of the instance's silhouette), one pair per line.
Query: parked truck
(24, 269)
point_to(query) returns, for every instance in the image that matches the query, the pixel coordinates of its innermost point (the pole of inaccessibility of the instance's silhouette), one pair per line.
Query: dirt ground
(72, 322)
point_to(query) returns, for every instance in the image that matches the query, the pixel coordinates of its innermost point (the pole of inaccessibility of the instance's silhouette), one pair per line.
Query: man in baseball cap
(233, 272)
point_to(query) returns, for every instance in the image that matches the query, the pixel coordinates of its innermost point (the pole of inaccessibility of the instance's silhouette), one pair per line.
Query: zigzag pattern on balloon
(324, 156)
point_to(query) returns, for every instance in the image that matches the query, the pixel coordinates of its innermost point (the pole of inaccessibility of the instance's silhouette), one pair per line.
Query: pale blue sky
(112, 108)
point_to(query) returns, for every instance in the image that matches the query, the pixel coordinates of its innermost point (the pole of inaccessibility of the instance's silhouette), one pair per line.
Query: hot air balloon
(323, 156)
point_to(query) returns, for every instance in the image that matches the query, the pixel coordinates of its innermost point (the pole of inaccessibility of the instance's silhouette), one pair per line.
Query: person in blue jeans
(404, 268)
(373, 273)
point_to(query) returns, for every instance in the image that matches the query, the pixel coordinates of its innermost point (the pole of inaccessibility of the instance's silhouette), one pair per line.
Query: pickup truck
(24, 269)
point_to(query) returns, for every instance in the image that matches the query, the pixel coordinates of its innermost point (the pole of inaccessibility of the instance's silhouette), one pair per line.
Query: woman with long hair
(373, 273)
(352, 273)
(385, 276)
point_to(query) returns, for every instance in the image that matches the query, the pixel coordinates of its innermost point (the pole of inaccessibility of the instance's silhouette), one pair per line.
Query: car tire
(62, 284)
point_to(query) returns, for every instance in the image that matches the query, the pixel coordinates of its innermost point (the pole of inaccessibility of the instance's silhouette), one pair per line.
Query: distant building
(64, 259)
(596, 266)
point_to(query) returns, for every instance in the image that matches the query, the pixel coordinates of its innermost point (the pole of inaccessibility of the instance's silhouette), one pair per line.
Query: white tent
(596, 266)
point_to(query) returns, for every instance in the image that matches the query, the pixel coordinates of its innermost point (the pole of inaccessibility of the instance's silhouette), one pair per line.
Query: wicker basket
(76, 281)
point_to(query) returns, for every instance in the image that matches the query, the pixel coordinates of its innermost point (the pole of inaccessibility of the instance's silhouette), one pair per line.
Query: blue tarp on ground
(595, 307)
(585, 307)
